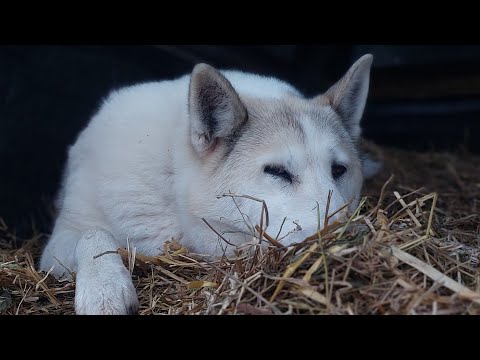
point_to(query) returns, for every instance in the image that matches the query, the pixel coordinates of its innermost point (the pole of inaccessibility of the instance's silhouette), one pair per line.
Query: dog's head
(284, 149)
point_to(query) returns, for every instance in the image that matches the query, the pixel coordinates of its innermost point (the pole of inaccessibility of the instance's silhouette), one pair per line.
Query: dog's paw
(109, 292)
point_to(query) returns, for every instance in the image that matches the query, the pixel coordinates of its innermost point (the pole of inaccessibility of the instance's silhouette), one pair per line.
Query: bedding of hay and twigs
(413, 247)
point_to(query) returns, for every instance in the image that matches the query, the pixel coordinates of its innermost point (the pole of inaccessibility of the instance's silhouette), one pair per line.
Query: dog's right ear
(215, 109)
(349, 95)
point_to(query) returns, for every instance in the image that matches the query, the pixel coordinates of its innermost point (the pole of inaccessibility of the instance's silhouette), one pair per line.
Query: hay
(413, 247)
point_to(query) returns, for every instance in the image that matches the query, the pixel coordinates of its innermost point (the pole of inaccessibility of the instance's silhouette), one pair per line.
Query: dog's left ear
(215, 109)
(349, 95)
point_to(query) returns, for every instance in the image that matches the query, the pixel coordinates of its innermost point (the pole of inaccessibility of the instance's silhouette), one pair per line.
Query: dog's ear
(215, 108)
(349, 95)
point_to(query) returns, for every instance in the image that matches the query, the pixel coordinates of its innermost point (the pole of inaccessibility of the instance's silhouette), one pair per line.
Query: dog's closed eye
(278, 171)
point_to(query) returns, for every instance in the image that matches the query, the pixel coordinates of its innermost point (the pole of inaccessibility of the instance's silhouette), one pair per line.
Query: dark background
(421, 97)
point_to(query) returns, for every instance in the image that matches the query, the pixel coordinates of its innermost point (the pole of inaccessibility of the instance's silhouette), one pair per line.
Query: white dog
(156, 158)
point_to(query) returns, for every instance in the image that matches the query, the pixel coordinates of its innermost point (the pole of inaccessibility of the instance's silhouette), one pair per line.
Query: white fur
(134, 175)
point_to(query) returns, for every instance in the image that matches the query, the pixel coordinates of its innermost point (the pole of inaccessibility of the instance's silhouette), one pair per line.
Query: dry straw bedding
(413, 247)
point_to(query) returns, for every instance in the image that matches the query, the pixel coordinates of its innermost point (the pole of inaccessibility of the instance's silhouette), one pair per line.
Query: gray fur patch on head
(266, 117)
(270, 118)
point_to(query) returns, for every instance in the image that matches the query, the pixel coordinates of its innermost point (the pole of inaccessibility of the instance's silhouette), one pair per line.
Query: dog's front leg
(103, 286)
